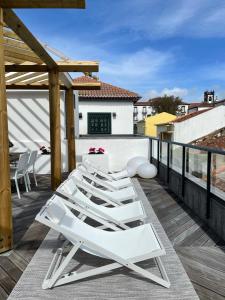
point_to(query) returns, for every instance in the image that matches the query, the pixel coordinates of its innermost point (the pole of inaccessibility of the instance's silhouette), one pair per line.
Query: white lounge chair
(119, 215)
(111, 185)
(109, 176)
(125, 248)
(114, 198)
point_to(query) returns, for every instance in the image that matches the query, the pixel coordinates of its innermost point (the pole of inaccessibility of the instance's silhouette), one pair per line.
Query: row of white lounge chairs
(113, 239)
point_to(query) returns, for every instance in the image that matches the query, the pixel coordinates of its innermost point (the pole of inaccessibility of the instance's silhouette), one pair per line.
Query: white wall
(28, 113)
(120, 150)
(200, 125)
(122, 124)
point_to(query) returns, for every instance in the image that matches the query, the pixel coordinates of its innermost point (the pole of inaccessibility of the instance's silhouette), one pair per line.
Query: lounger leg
(56, 268)
(71, 277)
(149, 275)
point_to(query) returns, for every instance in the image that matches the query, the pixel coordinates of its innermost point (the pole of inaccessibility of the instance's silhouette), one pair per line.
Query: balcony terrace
(200, 250)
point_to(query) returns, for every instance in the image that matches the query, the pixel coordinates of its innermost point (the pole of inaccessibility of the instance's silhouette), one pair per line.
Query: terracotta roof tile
(106, 92)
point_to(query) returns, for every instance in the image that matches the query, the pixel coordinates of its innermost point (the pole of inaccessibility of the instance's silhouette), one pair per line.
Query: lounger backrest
(68, 187)
(82, 183)
(54, 210)
(70, 190)
(86, 163)
(56, 215)
(93, 169)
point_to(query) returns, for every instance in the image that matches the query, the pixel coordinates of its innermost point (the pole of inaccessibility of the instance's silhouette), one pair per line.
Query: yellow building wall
(151, 122)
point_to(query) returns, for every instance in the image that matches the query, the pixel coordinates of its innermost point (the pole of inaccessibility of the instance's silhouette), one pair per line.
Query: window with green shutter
(99, 123)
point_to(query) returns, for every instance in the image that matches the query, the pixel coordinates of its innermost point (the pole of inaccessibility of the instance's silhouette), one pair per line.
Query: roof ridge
(107, 90)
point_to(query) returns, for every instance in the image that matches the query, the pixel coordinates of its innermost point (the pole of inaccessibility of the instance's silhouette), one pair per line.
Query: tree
(166, 103)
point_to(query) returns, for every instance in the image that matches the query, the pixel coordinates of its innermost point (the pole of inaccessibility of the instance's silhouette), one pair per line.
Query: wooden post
(70, 129)
(6, 239)
(55, 128)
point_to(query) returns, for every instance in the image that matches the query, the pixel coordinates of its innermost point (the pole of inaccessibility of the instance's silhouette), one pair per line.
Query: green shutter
(99, 123)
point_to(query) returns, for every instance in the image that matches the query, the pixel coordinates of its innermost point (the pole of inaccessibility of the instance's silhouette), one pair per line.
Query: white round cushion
(131, 171)
(147, 170)
(135, 162)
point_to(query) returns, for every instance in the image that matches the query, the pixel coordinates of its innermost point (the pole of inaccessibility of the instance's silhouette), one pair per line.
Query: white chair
(109, 176)
(31, 167)
(125, 248)
(111, 185)
(20, 171)
(113, 198)
(119, 215)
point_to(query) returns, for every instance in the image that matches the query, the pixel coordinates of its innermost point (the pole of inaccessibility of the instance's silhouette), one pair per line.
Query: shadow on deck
(200, 250)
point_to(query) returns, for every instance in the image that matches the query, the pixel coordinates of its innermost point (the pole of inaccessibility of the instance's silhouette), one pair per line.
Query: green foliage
(166, 103)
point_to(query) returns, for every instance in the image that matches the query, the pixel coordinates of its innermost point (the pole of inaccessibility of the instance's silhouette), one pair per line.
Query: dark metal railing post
(208, 193)
(150, 144)
(158, 155)
(183, 170)
(168, 162)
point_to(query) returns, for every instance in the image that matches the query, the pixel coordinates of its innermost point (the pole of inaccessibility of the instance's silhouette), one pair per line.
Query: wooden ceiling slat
(80, 4)
(18, 50)
(13, 60)
(15, 44)
(21, 57)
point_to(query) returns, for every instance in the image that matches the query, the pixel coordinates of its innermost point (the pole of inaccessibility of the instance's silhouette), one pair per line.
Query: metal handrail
(209, 151)
(202, 148)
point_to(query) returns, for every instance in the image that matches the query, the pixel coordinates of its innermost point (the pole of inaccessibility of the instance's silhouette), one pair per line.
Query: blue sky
(152, 47)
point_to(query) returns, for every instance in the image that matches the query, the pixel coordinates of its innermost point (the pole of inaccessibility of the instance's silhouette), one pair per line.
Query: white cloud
(137, 65)
(177, 92)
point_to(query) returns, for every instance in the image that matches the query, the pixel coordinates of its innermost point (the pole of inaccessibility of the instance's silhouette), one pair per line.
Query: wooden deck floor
(201, 252)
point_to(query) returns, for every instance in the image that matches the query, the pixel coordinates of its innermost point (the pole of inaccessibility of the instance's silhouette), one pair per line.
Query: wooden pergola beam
(26, 36)
(42, 4)
(36, 86)
(6, 238)
(70, 129)
(61, 66)
(55, 128)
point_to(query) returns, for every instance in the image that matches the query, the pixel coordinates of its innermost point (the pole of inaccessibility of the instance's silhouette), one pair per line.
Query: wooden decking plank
(10, 268)
(7, 283)
(204, 276)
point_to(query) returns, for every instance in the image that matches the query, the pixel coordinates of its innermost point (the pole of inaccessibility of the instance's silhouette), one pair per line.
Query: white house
(142, 110)
(106, 111)
(188, 128)
(109, 108)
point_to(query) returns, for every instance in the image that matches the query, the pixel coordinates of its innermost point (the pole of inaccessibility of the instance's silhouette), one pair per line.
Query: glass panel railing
(155, 149)
(176, 158)
(196, 166)
(163, 153)
(218, 175)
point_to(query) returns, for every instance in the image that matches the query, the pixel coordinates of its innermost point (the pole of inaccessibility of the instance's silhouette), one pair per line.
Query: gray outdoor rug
(118, 284)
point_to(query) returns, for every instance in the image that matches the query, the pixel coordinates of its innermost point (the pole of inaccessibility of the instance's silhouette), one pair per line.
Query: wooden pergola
(26, 64)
